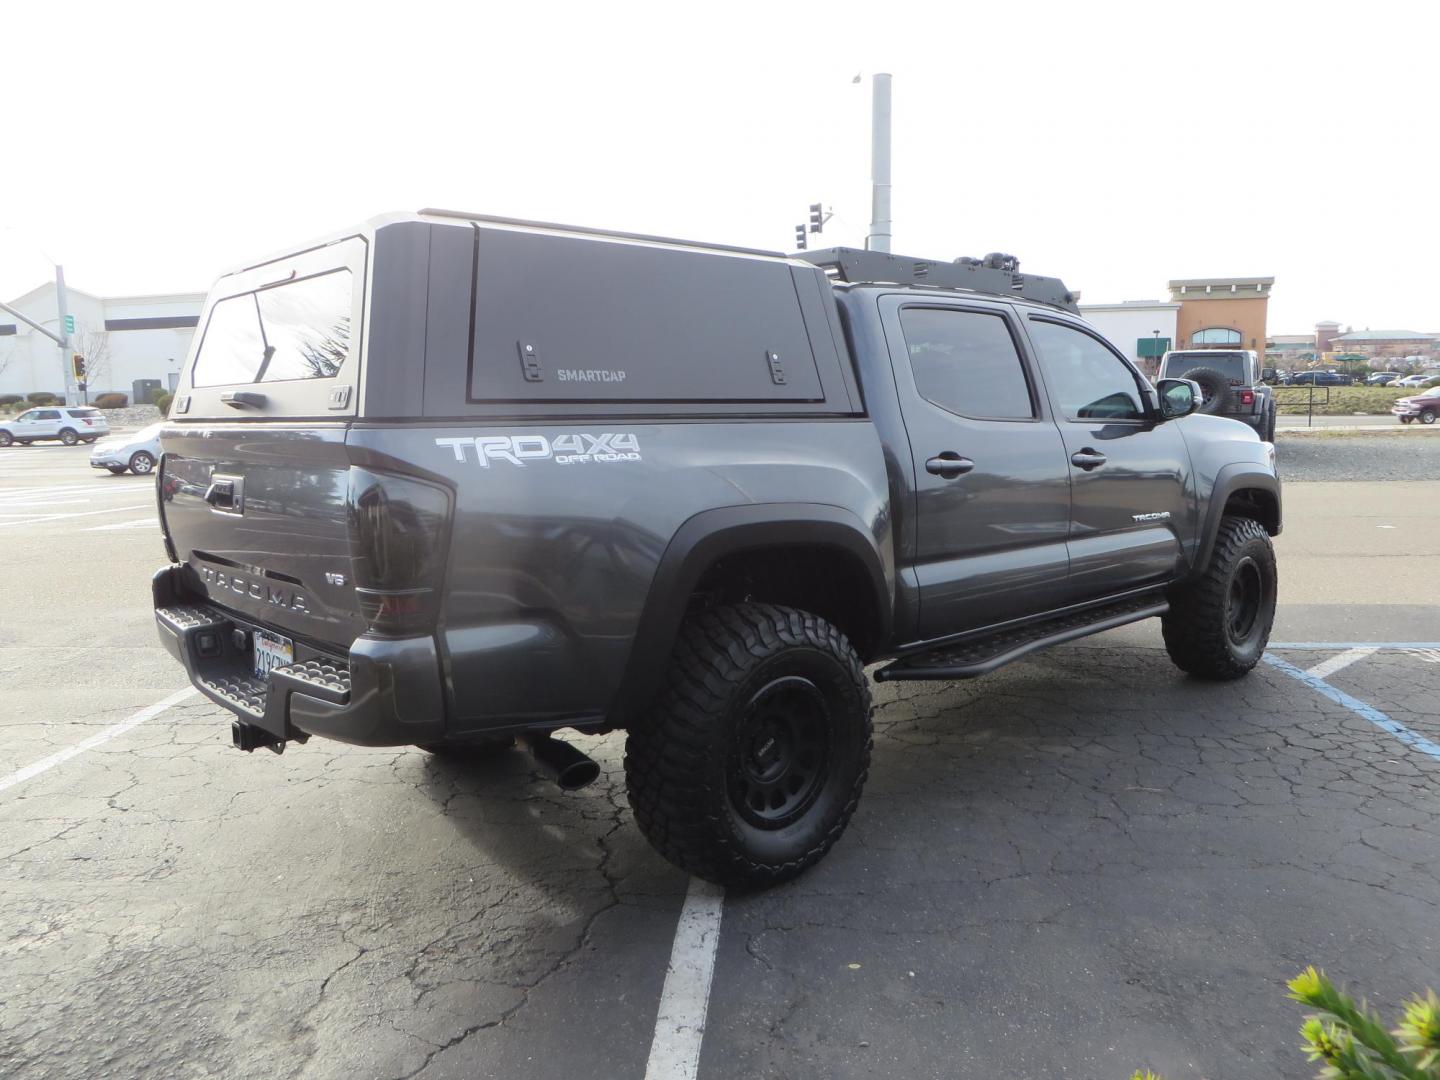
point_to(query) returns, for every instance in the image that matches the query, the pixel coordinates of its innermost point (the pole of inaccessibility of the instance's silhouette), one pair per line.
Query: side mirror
(1178, 397)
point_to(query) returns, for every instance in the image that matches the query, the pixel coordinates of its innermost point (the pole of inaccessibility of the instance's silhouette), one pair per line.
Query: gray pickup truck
(459, 482)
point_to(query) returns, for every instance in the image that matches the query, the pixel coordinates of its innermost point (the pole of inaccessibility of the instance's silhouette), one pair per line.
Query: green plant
(10, 399)
(1352, 1043)
(111, 401)
(163, 403)
(40, 397)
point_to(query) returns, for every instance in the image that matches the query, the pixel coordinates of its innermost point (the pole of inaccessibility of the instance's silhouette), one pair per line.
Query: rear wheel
(1270, 425)
(1218, 624)
(141, 463)
(751, 763)
(68, 437)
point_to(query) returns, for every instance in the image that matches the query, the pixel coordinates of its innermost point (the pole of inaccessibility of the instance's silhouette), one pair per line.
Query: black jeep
(1231, 382)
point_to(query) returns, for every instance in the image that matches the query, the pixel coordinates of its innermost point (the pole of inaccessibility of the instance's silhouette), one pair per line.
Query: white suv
(70, 424)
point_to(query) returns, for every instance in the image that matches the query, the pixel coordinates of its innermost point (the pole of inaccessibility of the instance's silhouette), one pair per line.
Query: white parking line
(138, 523)
(29, 772)
(37, 519)
(680, 1023)
(1326, 668)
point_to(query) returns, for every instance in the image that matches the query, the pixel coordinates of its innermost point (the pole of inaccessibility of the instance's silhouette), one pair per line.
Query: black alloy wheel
(779, 753)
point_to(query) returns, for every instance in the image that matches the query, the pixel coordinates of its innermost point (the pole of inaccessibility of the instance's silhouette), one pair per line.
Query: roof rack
(995, 275)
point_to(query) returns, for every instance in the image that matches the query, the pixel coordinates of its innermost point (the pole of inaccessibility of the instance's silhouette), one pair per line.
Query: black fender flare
(1236, 477)
(713, 534)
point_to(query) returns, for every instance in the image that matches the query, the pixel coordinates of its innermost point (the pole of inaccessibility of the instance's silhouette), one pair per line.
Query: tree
(95, 347)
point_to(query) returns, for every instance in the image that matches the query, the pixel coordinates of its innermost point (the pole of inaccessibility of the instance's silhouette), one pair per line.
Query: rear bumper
(382, 692)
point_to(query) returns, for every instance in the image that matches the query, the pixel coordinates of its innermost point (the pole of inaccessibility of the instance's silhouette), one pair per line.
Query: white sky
(151, 146)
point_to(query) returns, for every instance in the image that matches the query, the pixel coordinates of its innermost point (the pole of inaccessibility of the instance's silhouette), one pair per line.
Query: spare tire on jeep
(1213, 385)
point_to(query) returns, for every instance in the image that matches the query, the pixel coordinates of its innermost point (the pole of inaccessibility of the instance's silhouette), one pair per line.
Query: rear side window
(966, 363)
(295, 330)
(566, 319)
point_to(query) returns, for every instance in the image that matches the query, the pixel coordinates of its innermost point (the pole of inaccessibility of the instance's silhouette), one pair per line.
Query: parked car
(610, 482)
(1382, 378)
(1423, 407)
(70, 424)
(1319, 378)
(137, 452)
(1230, 384)
(1411, 381)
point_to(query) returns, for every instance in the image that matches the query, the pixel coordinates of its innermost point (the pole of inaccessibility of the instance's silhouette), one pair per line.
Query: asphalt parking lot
(1083, 864)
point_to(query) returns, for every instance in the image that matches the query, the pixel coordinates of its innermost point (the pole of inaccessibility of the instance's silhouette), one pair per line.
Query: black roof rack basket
(994, 275)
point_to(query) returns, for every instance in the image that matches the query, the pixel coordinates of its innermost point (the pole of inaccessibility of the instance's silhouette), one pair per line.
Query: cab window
(1086, 380)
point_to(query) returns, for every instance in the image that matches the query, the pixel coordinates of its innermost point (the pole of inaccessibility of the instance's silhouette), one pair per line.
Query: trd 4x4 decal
(576, 449)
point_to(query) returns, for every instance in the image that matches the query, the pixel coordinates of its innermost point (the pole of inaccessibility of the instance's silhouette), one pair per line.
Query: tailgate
(257, 513)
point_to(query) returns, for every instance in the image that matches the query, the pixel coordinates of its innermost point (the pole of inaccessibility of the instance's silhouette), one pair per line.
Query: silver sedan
(138, 452)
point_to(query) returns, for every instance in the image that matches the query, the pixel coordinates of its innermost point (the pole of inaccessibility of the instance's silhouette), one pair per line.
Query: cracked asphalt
(1080, 865)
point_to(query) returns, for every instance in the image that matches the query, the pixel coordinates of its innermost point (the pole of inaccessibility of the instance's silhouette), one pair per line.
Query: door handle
(226, 494)
(949, 465)
(1087, 459)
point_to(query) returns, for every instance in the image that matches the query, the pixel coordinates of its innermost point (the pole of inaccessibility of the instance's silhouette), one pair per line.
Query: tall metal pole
(879, 238)
(60, 302)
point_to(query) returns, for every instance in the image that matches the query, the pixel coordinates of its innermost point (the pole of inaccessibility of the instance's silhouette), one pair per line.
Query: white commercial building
(124, 339)
(1141, 329)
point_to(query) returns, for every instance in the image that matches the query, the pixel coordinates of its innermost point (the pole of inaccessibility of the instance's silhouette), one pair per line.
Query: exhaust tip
(569, 768)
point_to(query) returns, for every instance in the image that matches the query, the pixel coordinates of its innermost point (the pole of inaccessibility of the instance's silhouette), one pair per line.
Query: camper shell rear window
(296, 329)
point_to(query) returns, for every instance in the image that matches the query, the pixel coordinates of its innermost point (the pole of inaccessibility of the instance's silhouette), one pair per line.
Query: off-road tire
(1427, 416)
(68, 437)
(142, 463)
(1213, 385)
(1207, 631)
(6, 438)
(1269, 435)
(751, 762)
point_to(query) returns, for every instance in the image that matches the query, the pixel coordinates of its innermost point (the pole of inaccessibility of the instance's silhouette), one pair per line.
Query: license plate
(271, 651)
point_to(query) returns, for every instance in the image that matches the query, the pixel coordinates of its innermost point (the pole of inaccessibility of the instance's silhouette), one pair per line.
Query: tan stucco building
(1219, 313)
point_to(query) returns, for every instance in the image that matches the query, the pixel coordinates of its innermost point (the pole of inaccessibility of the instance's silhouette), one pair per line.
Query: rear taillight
(1247, 397)
(399, 526)
(87, 421)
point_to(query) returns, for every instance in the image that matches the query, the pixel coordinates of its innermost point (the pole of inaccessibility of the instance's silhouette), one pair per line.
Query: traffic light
(817, 217)
(799, 237)
(77, 363)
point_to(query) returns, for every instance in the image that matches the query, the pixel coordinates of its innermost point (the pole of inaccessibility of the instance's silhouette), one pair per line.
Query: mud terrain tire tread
(1194, 627)
(680, 804)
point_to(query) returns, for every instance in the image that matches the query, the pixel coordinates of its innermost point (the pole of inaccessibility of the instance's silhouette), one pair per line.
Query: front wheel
(1218, 624)
(751, 763)
(1428, 416)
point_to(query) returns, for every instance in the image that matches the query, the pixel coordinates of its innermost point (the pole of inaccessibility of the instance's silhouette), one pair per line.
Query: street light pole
(880, 224)
(61, 303)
